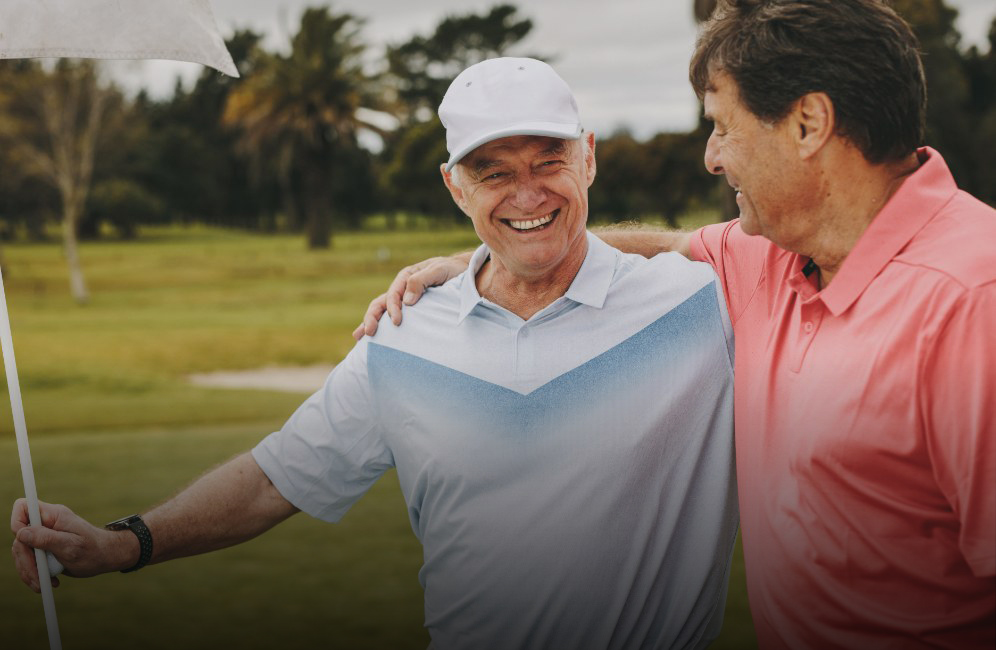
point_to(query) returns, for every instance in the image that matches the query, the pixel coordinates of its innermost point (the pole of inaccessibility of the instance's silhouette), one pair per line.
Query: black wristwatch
(135, 524)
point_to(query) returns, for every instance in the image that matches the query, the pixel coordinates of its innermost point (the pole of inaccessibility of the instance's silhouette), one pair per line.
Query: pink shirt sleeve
(737, 258)
(958, 401)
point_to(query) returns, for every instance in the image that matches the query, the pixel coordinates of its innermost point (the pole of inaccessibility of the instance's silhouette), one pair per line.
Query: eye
(550, 165)
(493, 177)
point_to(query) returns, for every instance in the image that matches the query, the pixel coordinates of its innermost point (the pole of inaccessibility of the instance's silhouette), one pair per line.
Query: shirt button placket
(525, 353)
(810, 316)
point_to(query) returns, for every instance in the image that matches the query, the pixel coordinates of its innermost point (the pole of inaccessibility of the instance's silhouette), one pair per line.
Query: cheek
(480, 206)
(575, 191)
(736, 157)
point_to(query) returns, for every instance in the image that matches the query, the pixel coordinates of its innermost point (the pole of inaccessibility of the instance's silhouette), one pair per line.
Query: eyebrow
(559, 147)
(483, 165)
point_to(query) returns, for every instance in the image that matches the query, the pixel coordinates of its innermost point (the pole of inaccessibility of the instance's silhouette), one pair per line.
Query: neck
(854, 195)
(523, 293)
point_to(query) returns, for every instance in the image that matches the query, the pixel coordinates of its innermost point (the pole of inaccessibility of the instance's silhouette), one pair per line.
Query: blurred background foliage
(281, 148)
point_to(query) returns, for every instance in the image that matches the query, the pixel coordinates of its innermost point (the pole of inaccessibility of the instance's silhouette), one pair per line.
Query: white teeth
(531, 223)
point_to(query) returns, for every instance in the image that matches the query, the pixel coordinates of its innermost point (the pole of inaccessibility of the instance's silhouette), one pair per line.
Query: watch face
(122, 523)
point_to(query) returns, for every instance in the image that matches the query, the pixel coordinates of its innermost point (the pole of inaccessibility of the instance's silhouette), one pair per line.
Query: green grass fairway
(115, 428)
(182, 301)
(296, 587)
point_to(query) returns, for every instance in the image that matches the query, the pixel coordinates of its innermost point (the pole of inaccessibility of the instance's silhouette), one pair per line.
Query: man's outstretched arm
(646, 242)
(230, 504)
(412, 281)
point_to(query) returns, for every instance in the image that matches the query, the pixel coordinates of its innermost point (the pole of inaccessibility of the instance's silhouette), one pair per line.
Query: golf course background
(115, 428)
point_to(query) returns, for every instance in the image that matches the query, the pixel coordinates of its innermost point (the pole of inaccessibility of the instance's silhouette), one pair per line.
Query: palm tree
(303, 110)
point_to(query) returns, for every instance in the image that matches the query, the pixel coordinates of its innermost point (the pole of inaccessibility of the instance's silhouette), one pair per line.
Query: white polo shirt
(570, 477)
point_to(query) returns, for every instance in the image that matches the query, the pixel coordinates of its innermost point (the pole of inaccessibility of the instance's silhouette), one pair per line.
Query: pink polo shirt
(866, 426)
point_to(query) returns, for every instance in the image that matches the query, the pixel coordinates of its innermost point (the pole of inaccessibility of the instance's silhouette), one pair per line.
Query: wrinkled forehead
(514, 147)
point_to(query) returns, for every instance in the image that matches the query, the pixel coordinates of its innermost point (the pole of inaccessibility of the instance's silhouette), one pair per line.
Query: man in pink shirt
(862, 288)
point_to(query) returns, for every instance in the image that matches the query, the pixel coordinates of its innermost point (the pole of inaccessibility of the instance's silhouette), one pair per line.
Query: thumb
(40, 537)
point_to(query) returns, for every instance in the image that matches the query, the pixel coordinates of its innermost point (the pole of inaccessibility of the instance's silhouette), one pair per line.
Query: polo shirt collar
(590, 286)
(919, 198)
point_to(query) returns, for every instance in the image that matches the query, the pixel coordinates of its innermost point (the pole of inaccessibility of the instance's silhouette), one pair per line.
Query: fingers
(396, 291)
(19, 515)
(51, 514)
(389, 302)
(369, 325)
(24, 564)
(432, 275)
(43, 538)
(70, 540)
(23, 555)
(406, 289)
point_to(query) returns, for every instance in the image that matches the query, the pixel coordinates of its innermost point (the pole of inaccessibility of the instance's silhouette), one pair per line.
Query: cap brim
(549, 129)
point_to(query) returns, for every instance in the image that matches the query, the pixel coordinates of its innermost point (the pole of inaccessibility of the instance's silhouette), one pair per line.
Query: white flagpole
(27, 471)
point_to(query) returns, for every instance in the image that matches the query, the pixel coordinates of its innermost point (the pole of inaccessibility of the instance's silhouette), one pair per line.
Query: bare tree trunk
(77, 285)
(72, 109)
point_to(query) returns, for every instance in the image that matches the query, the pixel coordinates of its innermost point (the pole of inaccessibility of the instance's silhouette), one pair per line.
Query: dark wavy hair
(859, 52)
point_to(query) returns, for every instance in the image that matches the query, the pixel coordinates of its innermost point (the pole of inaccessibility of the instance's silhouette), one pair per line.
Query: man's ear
(813, 122)
(455, 190)
(589, 156)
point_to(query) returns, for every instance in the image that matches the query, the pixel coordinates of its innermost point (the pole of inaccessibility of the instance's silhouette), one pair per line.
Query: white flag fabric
(179, 30)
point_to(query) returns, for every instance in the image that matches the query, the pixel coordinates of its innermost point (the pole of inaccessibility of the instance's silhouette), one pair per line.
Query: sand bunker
(304, 379)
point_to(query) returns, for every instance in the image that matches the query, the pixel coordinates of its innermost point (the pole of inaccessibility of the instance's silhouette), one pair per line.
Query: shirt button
(808, 327)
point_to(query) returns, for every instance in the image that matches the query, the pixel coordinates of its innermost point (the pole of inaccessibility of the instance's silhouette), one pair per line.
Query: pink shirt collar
(919, 198)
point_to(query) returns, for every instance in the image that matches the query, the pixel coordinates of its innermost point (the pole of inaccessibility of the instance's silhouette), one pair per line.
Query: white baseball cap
(502, 97)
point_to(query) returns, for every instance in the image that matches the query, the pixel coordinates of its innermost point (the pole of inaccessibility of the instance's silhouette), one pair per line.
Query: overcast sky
(625, 60)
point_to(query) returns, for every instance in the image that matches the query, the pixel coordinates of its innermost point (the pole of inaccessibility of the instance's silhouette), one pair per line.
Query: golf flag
(179, 30)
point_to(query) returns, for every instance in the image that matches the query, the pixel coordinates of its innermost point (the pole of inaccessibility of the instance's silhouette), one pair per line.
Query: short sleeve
(330, 451)
(958, 400)
(737, 258)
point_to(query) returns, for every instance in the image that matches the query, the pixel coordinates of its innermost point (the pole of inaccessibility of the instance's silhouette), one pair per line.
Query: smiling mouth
(527, 225)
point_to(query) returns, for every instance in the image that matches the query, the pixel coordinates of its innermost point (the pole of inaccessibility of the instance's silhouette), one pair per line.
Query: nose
(529, 194)
(712, 156)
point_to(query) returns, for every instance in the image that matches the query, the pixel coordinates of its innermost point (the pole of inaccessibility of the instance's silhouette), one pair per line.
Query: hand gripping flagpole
(27, 471)
(182, 30)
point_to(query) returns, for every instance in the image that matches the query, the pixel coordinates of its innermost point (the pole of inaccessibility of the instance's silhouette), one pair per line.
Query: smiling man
(862, 290)
(566, 496)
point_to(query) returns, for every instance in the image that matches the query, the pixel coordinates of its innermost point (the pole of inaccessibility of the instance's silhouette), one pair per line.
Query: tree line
(280, 149)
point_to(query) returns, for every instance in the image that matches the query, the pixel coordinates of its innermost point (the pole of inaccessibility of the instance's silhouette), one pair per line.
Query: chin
(749, 225)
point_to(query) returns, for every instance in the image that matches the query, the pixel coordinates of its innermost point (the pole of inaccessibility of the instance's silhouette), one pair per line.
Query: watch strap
(135, 524)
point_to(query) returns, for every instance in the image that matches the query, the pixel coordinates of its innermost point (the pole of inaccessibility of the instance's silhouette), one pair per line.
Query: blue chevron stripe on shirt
(570, 477)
